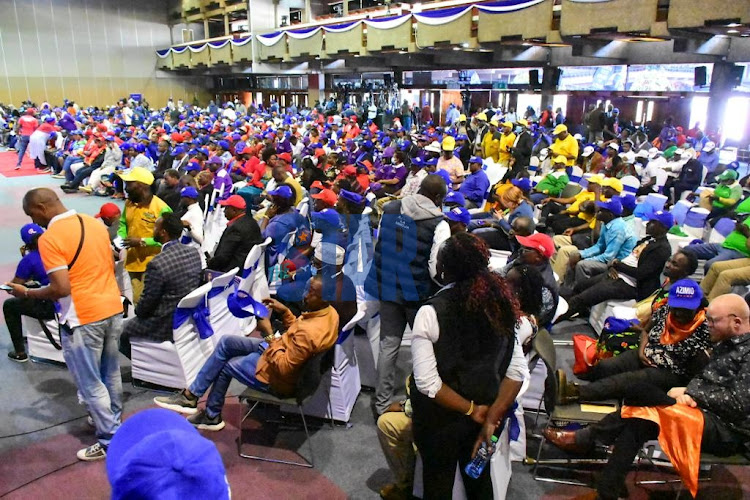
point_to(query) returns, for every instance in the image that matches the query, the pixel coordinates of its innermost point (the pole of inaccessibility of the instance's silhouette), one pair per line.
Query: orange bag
(586, 353)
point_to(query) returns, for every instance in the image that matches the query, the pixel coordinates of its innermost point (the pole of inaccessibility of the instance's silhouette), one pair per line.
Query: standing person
(78, 259)
(26, 126)
(402, 271)
(137, 225)
(468, 366)
(595, 124)
(30, 269)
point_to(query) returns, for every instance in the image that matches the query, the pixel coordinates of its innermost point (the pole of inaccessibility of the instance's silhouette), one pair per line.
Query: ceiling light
(456, 48)
(526, 44)
(733, 25)
(464, 45)
(733, 31)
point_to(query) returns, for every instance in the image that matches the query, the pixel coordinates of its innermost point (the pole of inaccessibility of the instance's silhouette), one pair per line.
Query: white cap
(653, 153)
(628, 157)
(587, 151)
(679, 151)
(613, 145)
(544, 153)
(434, 147)
(642, 153)
(328, 254)
(578, 137)
(709, 146)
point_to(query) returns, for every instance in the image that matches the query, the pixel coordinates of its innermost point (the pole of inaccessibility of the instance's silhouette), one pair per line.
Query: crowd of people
(402, 221)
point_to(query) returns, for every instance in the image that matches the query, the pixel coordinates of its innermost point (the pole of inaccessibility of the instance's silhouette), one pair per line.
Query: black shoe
(18, 357)
(178, 402)
(201, 420)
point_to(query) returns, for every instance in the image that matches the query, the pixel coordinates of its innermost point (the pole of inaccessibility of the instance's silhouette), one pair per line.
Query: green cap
(493, 439)
(669, 152)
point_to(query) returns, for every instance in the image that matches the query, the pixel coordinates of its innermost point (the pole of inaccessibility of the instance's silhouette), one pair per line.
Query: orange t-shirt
(94, 294)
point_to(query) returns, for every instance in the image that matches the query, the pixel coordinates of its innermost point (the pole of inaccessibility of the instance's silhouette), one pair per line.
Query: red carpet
(49, 469)
(8, 161)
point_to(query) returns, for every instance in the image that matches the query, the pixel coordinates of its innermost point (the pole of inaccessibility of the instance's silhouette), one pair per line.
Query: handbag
(618, 336)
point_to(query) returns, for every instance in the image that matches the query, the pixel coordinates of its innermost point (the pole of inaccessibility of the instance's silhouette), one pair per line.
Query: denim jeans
(234, 357)
(93, 359)
(69, 161)
(712, 252)
(21, 145)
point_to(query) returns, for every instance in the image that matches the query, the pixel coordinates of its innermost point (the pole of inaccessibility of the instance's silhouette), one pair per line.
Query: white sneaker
(92, 453)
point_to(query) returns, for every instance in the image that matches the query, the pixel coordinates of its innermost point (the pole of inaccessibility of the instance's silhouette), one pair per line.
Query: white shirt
(194, 216)
(413, 182)
(426, 333)
(652, 167)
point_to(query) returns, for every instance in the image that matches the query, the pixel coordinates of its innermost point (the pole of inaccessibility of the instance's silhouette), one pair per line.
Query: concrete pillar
(315, 85)
(721, 87)
(549, 85)
(205, 28)
(226, 25)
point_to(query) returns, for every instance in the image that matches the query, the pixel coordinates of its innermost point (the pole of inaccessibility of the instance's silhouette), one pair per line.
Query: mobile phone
(7, 288)
(118, 243)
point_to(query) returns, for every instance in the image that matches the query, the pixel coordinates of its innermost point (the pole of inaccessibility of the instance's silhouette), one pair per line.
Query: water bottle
(476, 466)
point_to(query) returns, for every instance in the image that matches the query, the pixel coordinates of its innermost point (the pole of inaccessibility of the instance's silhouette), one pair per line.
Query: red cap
(540, 242)
(235, 201)
(317, 184)
(285, 156)
(328, 197)
(319, 152)
(350, 170)
(101, 127)
(108, 210)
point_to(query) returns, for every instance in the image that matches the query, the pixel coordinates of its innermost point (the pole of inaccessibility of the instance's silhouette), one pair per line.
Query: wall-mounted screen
(665, 77)
(592, 78)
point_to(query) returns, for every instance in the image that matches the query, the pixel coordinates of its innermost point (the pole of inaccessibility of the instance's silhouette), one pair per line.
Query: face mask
(518, 130)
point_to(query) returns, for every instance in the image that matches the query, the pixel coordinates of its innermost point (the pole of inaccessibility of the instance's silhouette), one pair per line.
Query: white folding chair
(222, 320)
(253, 281)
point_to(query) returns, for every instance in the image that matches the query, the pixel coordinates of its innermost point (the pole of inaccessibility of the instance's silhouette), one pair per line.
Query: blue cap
(351, 197)
(29, 231)
(178, 150)
(454, 197)
(685, 294)
(224, 145)
(204, 152)
(524, 183)
(326, 217)
(462, 137)
(417, 161)
(158, 453)
(628, 202)
(666, 219)
(193, 166)
(189, 192)
(282, 191)
(431, 161)
(614, 205)
(459, 214)
(476, 159)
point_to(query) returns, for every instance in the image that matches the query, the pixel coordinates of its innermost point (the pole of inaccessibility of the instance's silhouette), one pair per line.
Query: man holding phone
(77, 257)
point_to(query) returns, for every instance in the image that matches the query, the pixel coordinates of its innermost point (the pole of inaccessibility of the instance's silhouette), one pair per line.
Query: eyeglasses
(713, 321)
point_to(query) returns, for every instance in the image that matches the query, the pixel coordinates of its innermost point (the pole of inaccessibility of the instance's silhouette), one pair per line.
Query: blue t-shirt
(31, 268)
(281, 225)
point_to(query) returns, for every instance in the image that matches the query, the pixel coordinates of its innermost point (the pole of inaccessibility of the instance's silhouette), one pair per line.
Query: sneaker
(58, 176)
(18, 167)
(85, 189)
(201, 420)
(92, 453)
(18, 357)
(178, 402)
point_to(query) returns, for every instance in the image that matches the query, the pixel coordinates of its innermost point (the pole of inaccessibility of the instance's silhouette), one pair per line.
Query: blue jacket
(475, 186)
(616, 241)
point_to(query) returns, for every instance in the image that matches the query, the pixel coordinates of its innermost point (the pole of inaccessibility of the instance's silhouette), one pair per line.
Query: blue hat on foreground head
(282, 191)
(664, 218)
(685, 294)
(612, 205)
(351, 197)
(459, 214)
(454, 197)
(29, 231)
(476, 159)
(157, 453)
(189, 192)
(524, 183)
(628, 202)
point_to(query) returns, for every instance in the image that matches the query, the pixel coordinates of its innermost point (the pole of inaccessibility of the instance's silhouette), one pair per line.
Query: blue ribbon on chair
(242, 305)
(343, 335)
(218, 290)
(514, 429)
(247, 272)
(200, 315)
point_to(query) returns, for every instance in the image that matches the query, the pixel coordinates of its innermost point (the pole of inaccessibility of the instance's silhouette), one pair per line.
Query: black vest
(392, 278)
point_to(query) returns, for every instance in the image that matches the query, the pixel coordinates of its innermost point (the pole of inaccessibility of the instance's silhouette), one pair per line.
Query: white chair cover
(622, 309)
(303, 207)
(254, 281)
(39, 347)
(173, 364)
(222, 320)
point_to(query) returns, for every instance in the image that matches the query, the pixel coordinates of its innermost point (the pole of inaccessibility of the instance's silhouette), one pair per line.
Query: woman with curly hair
(468, 366)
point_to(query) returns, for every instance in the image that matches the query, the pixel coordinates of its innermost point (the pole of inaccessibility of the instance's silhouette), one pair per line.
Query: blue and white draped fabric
(249, 270)
(179, 50)
(218, 44)
(441, 16)
(514, 428)
(270, 39)
(238, 42)
(217, 290)
(341, 28)
(200, 315)
(304, 33)
(386, 23)
(502, 6)
(242, 305)
(163, 54)
(198, 47)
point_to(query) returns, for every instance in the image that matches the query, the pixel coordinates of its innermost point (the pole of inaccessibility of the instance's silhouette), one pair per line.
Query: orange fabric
(94, 294)
(674, 333)
(680, 435)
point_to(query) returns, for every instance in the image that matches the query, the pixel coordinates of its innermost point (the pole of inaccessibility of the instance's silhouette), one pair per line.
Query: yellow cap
(449, 143)
(494, 123)
(560, 129)
(596, 179)
(462, 118)
(138, 174)
(523, 122)
(560, 159)
(615, 184)
(482, 117)
(507, 124)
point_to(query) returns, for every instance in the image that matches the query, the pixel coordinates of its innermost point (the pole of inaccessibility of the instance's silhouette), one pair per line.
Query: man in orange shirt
(270, 365)
(77, 256)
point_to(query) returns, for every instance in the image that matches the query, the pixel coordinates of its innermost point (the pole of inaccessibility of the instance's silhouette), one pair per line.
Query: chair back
(679, 211)
(575, 174)
(545, 348)
(571, 189)
(630, 184)
(311, 375)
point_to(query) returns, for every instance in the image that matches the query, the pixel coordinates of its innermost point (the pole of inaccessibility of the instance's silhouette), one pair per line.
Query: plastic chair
(576, 173)
(630, 184)
(303, 207)
(695, 220)
(724, 226)
(222, 320)
(571, 190)
(656, 201)
(679, 211)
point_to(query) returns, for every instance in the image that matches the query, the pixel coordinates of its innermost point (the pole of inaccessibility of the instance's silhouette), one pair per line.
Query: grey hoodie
(419, 207)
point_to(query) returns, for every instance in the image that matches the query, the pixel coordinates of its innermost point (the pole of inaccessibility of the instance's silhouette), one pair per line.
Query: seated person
(725, 275)
(29, 269)
(338, 288)
(616, 241)
(281, 219)
(170, 275)
(475, 184)
(397, 442)
(536, 251)
(272, 365)
(458, 219)
(720, 392)
(561, 213)
(681, 265)
(670, 353)
(724, 196)
(635, 277)
(495, 229)
(192, 219)
(240, 236)
(735, 246)
(687, 180)
(553, 183)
